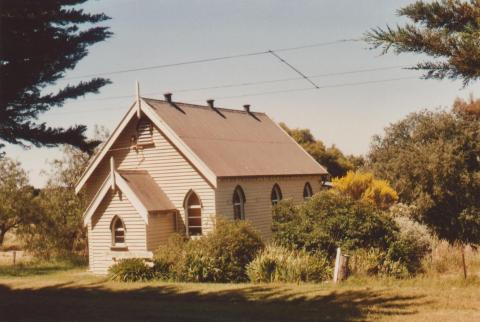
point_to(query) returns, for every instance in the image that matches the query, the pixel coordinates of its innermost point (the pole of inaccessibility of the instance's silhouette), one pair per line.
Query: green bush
(381, 242)
(279, 264)
(131, 270)
(221, 256)
(329, 220)
(402, 259)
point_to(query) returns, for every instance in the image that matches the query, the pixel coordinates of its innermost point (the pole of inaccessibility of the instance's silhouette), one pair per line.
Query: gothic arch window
(307, 191)
(193, 211)
(117, 228)
(238, 202)
(276, 194)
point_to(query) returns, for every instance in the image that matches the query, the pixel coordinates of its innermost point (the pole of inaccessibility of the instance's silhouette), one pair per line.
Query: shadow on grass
(95, 302)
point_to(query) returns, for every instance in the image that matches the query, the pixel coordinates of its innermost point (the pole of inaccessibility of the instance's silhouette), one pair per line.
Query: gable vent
(144, 132)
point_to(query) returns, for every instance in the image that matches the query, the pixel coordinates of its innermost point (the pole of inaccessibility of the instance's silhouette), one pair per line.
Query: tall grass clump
(279, 264)
(131, 270)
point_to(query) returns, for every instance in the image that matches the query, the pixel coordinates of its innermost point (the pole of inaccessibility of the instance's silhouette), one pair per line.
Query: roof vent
(210, 103)
(246, 107)
(168, 97)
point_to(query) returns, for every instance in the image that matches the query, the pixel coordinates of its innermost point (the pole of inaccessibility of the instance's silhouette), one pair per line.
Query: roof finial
(139, 107)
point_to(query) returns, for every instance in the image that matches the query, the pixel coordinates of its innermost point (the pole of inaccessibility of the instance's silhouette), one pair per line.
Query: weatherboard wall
(174, 174)
(102, 255)
(257, 190)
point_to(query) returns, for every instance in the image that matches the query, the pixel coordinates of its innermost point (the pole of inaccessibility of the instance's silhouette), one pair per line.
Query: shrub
(363, 186)
(329, 220)
(279, 264)
(169, 258)
(131, 270)
(221, 256)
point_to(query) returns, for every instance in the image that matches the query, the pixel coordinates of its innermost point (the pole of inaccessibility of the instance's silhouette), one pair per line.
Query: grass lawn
(57, 293)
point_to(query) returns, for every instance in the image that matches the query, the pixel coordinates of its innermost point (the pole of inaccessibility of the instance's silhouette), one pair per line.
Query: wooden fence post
(337, 265)
(341, 270)
(14, 257)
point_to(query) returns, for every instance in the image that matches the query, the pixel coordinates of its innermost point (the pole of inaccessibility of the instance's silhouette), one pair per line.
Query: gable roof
(139, 188)
(235, 143)
(147, 190)
(218, 142)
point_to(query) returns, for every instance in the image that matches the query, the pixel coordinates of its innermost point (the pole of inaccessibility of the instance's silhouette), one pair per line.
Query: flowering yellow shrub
(364, 186)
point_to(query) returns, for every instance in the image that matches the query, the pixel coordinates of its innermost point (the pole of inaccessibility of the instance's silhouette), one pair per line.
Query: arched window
(194, 214)
(307, 191)
(276, 195)
(238, 203)
(118, 231)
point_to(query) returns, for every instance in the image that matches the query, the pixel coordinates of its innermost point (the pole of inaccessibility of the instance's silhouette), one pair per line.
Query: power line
(293, 68)
(246, 84)
(352, 84)
(212, 59)
(320, 87)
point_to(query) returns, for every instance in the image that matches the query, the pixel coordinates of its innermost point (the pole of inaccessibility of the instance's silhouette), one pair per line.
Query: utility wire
(212, 59)
(352, 84)
(293, 68)
(320, 87)
(246, 84)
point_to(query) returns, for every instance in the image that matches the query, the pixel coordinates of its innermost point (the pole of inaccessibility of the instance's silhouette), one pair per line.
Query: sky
(154, 32)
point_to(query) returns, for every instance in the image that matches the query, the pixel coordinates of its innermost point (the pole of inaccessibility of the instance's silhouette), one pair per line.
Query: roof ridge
(205, 107)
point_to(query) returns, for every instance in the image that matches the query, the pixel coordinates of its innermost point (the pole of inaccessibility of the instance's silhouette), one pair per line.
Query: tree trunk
(463, 261)
(2, 236)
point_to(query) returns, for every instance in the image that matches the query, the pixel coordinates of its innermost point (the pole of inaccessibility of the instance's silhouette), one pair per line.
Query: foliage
(279, 264)
(57, 229)
(467, 108)
(221, 256)
(363, 186)
(329, 220)
(332, 158)
(38, 44)
(431, 159)
(446, 30)
(411, 229)
(17, 204)
(130, 270)
(399, 261)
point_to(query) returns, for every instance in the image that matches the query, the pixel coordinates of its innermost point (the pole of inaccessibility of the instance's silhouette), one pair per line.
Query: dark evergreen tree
(446, 30)
(39, 41)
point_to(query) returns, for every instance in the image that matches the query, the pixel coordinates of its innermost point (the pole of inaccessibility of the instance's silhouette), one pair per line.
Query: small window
(276, 195)
(238, 203)
(194, 215)
(118, 232)
(307, 191)
(144, 132)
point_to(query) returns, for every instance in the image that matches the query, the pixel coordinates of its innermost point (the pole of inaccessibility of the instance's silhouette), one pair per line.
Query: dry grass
(55, 293)
(447, 260)
(58, 292)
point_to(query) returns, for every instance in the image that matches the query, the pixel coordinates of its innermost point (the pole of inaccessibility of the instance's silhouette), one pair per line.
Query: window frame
(277, 192)
(187, 208)
(238, 191)
(307, 191)
(114, 230)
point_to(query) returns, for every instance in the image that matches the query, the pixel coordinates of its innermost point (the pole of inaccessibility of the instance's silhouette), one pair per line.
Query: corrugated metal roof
(236, 143)
(147, 190)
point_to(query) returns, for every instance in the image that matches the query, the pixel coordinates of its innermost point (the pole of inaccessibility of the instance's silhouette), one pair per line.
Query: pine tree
(446, 30)
(39, 42)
